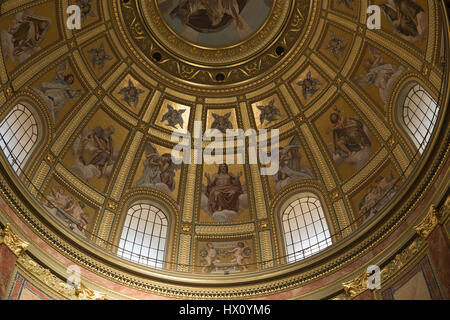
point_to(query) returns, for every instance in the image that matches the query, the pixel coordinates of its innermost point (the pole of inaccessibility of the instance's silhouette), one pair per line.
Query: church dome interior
(224, 149)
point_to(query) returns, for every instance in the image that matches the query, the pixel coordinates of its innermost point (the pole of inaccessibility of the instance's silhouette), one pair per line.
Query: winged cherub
(58, 91)
(309, 85)
(269, 112)
(173, 117)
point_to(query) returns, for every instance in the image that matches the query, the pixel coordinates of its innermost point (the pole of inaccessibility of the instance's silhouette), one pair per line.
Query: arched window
(305, 227)
(144, 235)
(18, 135)
(419, 115)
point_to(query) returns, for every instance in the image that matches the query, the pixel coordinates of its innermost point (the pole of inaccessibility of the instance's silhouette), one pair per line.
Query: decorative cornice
(47, 277)
(402, 259)
(12, 241)
(358, 285)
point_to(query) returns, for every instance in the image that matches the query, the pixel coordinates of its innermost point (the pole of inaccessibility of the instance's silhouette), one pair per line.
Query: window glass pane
(144, 236)
(304, 226)
(18, 135)
(419, 115)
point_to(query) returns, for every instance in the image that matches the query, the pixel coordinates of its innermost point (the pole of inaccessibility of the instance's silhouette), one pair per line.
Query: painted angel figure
(94, 153)
(86, 9)
(380, 74)
(58, 199)
(159, 170)
(173, 117)
(131, 94)
(99, 56)
(210, 258)
(66, 208)
(240, 256)
(208, 16)
(57, 92)
(269, 112)
(24, 35)
(407, 18)
(291, 169)
(336, 45)
(309, 85)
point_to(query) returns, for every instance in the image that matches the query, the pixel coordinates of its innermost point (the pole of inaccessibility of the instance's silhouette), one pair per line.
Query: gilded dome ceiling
(113, 99)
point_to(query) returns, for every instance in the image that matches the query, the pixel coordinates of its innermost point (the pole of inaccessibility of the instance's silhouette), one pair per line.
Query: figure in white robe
(57, 92)
(291, 169)
(68, 210)
(380, 74)
(159, 171)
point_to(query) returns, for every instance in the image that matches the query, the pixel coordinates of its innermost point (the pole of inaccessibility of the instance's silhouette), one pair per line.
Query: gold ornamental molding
(12, 241)
(35, 68)
(402, 259)
(225, 230)
(3, 72)
(2, 97)
(45, 276)
(427, 225)
(150, 17)
(324, 169)
(12, 4)
(84, 293)
(356, 286)
(432, 219)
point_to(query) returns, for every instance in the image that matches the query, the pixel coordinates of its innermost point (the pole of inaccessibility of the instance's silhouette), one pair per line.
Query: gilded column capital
(427, 225)
(12, 241)
(84, 293)
(356, 286)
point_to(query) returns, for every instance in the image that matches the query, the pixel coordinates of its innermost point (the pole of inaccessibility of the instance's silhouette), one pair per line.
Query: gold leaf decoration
(12, 241)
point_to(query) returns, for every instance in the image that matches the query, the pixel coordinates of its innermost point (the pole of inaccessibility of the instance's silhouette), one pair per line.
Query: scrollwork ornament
(356, 286)
(402, 259)
(46, 276)
(84, 293)
(12, 241)
(427, 225)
